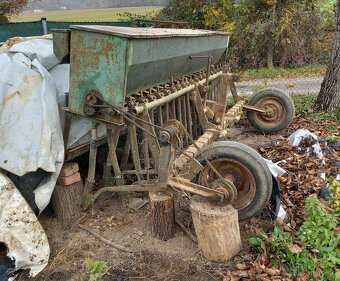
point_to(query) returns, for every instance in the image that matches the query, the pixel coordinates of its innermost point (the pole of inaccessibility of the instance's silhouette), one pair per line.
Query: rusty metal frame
(200, 104)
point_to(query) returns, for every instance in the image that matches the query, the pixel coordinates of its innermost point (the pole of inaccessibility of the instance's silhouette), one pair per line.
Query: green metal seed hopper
(120, 61)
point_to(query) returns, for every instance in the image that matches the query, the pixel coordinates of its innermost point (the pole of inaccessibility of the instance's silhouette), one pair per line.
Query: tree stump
(162, 213)
(67, 200)
(217, 229)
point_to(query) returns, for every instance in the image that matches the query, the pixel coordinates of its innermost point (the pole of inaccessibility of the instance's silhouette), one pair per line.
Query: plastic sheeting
(21, 231)
(79, 131)
(296, 138)
(31, 122)
(31, 139)
(31, 135)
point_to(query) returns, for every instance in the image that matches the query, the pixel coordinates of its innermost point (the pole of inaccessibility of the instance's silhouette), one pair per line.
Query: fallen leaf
(295, 249)
(241, 266)
(303, 276)
(271, 271)
(240, 273)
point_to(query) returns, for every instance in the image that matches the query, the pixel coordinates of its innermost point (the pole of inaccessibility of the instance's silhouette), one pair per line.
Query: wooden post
(67, 196)
(217, 229)
(162, 211)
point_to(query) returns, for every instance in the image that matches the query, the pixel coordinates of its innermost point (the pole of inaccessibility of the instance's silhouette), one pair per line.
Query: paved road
(300, 86)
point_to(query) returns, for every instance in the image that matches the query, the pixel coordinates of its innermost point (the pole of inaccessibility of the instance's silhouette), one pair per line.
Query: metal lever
(209, 57)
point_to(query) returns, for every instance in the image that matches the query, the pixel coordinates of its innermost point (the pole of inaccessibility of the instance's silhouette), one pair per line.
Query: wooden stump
(67, 200)
(162, 213)
(217, 229)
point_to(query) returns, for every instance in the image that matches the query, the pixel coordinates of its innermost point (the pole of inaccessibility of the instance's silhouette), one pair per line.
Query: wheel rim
(237, 173)
(275, 112)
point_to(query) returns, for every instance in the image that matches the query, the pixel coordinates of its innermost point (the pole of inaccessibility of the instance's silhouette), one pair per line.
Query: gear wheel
(93, 98)
(227, 187)
(173, 123)
(89, 110)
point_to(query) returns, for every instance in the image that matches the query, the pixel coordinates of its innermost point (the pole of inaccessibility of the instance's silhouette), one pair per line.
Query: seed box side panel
(97, 62)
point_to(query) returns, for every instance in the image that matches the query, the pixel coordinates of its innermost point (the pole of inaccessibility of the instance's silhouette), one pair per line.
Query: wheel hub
(274, 111)
(227, 187)
(232, 172)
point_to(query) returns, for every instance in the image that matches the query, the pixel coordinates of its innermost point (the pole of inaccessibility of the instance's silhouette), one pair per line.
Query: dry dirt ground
(176, 259)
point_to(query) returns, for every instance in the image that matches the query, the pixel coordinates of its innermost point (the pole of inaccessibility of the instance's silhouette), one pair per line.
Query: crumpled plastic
(31, 135)
(296, 138)
(21, 231)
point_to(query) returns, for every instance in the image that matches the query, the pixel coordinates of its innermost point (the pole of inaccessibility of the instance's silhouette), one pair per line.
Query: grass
(304, 107)
(284, 72)
(108, 14)
(317, 232)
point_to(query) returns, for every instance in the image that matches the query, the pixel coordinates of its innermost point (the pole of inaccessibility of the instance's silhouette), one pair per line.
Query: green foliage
(317, 232)
(332, 129)
(334, 186)
(89, 199)
(9, 8)
(97, 269)
(128, 16)
(278, 251)
(327, 10)
(333, 115)
(304, 106)
(289, 33)
(333, 139)
(219, 15)
(192, 11)
(291, 28)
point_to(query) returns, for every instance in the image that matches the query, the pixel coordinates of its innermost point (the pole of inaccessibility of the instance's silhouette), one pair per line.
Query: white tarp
(31, 135)
(31, 138)
(79, 131)
(31, 123)
(21, 231)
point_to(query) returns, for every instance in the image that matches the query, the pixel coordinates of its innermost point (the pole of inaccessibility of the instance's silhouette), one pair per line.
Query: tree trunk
(271, 43)
(270, 54)
(329, 96)
(162, 213)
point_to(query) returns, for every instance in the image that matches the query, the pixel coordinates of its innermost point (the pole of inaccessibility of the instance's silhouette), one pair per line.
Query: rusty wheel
(279, 109)
(244, 167)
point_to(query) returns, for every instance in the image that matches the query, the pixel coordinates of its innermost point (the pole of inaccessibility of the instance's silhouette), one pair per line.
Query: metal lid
(138, 32)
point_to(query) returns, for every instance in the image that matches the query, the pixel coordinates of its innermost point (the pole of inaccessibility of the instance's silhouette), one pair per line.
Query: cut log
(69, 169)
(217, 229)
(162, 214)
(67, 200)
(69, 179)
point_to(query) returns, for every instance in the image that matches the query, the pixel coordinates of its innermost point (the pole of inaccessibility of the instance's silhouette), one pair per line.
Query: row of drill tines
(166, 89)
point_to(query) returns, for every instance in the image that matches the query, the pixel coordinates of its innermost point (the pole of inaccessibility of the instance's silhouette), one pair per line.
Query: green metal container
(120, 61)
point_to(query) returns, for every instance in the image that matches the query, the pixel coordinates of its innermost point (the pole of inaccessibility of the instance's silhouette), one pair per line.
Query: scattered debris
(136, 203)
(21, 233)
(117, 246)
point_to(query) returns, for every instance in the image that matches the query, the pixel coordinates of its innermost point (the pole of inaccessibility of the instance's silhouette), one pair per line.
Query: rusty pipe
(159, 102)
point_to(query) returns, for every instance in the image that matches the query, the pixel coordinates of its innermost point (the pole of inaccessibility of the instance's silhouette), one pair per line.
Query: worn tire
(241, 155)
(281, 106)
